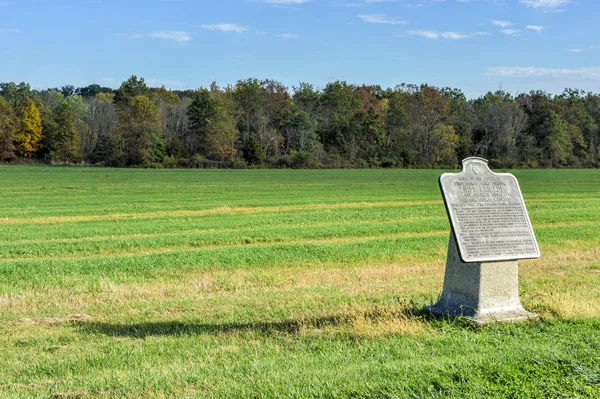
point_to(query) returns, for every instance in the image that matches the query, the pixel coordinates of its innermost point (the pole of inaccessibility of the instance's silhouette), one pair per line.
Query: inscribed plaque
(487, 214)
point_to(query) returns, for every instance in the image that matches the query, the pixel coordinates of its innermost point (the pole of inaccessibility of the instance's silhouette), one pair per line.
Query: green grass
(274, 283)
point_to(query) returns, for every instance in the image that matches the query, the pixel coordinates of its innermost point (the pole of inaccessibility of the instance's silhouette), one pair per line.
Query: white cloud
(349, 4)
(582, 49)
(545, 4)
(177, 36)
(453, 35)
(10, 30)
(429, 34)
(416, 4)
(424, 33)
(285, 2)
(502, 24)
(287, 36)
(226, 27)
(536, 28)
(380, 19)
(591, 73)
(511, 32)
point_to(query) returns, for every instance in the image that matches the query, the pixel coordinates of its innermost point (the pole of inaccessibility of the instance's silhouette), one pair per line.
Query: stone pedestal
(480, 291)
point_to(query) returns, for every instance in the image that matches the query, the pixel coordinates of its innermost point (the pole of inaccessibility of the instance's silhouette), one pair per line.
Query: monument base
(482, 292)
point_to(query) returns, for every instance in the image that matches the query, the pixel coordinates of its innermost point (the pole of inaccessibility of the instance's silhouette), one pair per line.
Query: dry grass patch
(44, 321)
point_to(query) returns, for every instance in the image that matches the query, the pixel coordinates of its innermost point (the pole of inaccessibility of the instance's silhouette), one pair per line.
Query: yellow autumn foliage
(27, 140)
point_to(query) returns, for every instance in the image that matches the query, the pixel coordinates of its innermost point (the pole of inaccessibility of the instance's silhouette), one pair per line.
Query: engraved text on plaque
(487, 214)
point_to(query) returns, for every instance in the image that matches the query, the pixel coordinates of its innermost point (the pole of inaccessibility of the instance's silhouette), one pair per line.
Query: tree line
(261, 123)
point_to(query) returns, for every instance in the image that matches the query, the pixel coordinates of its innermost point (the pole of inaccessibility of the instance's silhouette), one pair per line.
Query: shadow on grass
(175, 328)
(276, 328)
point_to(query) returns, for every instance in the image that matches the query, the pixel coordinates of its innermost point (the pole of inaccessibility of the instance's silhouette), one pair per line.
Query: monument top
(487, 214)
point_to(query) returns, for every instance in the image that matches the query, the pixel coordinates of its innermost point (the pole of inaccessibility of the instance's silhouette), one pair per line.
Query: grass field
(275, 283)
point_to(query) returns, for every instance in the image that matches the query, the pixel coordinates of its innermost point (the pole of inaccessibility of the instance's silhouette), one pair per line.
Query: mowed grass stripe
(200, 238)
(221, 210)
(87, 231)
(197, 231)
(206, 222)
(141, 251)
(584, 237)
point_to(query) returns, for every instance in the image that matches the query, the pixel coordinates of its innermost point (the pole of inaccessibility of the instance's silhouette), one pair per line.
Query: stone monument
(490, 231)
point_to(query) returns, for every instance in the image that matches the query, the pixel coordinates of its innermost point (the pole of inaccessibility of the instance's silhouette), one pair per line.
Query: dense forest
(258, 123)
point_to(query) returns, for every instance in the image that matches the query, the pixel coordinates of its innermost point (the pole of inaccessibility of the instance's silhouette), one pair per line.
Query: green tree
(339, 106)
(212, 124)
(306, 98)
(132, 87)
(9, 127)
(80, 109)
(397, 122)
(16, 94)
(61, 137)
(262, 112)
(201, 114)
(223, 142)
(101, 143)
(558, 141)
(301, 131)
(461, 119)
(571, 107)
(138, 128)
(253, 153)
(498, 124)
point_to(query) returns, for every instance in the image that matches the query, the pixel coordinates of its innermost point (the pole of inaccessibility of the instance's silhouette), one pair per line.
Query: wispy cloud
(591, 73)
(546, 4)
(429, 34)
(536, 28)
(10, 30)
(177, 36)
(287, 36)
(226, 27)
(511, 32)
(285, 2)
(502, 24)
(582, 49)
(380, 19)
(415, 4)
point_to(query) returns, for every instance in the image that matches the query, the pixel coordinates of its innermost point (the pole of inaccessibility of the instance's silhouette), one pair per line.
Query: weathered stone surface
(487, 214)
(480, 291)
(490, 231)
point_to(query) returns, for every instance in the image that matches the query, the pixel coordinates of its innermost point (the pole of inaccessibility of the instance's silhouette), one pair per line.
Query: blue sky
(475, 45)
